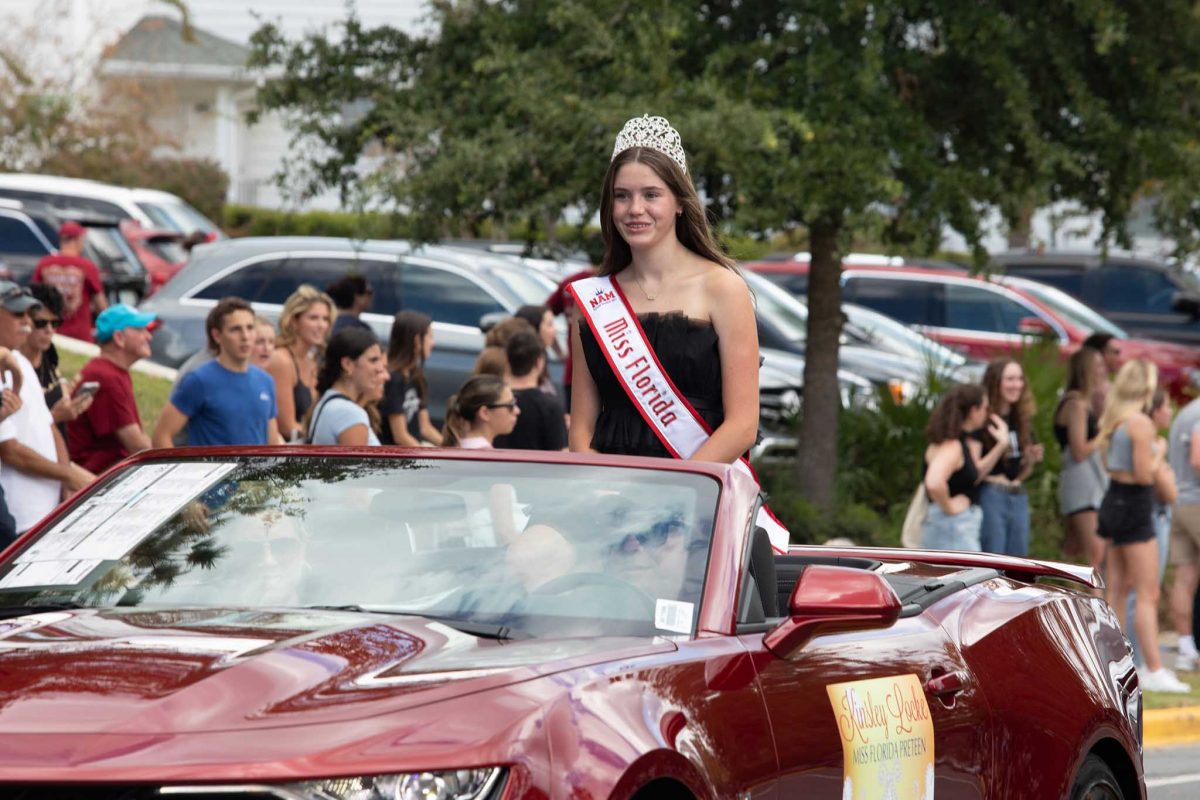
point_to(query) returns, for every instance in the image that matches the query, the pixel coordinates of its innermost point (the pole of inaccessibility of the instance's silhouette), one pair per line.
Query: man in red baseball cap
(76, 278)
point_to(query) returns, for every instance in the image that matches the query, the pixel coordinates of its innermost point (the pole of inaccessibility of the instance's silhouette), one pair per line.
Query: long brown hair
(947, 418)
(691, 226)
(1021, 412)
(405, 354)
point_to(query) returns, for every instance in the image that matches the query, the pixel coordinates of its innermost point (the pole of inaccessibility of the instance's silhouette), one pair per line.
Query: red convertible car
(362, 624)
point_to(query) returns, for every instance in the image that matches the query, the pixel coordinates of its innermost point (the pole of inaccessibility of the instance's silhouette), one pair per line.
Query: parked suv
(29, 231)
(987, 318)
(151, 208)
(1147, 298)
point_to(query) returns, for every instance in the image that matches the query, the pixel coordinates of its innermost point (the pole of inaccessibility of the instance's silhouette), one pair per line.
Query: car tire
(1096, 781)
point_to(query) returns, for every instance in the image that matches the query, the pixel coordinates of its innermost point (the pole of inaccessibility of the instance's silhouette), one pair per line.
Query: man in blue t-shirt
(228, 400)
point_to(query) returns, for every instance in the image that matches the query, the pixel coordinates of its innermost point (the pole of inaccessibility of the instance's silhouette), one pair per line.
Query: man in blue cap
(111, 428)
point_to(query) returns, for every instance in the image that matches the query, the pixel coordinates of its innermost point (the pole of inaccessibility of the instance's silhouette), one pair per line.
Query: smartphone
(86, 388)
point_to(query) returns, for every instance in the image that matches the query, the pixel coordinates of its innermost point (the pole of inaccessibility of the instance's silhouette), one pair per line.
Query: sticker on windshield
(108, 526)
(887, 738)
(673, 615)
(48, 573)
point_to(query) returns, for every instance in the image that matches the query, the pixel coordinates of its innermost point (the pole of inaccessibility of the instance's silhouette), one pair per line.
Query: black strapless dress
(687, 350)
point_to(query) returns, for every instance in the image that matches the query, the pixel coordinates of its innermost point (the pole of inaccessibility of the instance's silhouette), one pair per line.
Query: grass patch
(1168, 700)
(150, 393)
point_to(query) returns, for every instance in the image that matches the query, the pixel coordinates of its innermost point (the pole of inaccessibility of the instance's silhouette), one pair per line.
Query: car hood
(208, 670)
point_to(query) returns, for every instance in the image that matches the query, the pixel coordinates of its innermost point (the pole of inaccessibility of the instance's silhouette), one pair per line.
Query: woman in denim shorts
(953, 464)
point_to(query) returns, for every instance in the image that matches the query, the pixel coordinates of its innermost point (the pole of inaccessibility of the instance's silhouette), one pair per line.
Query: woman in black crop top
(953, 464)
(1082, 482)
(1002, 496)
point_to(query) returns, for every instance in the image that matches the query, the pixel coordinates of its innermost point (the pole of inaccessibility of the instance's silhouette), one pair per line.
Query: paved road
(1173, 773)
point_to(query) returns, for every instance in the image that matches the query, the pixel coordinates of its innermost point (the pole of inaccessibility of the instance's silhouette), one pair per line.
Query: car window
(792, 282)
(910, 302)
(573, 549)
(320, 271)
(112, 252)
(1129, 288)
(244, 283)
(978, 308)
(1065, 278)
(444, 296)
(17, 238)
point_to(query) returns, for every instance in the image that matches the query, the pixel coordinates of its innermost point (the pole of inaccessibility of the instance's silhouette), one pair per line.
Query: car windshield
(885, 333)
(177, 216)
(772, 303)
(521, 287)
(1064, 305)
(534, 548)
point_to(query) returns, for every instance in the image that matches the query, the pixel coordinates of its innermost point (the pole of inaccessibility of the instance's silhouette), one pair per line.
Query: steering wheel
(597, 580)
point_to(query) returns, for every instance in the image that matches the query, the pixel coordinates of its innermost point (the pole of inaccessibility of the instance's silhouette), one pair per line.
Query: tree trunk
(816, 460)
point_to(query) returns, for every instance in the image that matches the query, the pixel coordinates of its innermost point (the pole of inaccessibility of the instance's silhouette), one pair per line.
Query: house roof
(156, 46)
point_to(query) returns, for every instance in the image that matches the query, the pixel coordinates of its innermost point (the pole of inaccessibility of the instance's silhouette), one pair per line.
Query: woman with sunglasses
(483, 409)
(39, 348)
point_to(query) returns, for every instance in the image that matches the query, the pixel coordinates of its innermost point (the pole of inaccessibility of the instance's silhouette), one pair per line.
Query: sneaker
(1186, 662)
(1163, 680)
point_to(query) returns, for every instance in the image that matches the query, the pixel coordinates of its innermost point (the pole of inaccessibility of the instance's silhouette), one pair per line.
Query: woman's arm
(1146, 459)
(354, 435)
(945, 459)
(732, 311)
(398, 425)
(281, 368)
(1165, 488)
(998, 429)
(585, 401)
(428, 432)
(1080, 446)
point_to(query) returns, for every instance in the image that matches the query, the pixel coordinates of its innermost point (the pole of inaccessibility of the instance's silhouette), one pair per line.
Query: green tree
(821, 115)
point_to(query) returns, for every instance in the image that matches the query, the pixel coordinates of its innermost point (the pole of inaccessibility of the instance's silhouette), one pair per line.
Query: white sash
(668, 413)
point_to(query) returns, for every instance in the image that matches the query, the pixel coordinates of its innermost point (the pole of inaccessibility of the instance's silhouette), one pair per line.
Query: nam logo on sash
(887, 738)
(601, 297)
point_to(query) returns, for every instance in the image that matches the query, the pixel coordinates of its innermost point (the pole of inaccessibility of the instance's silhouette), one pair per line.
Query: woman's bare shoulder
(723, 283)
(280, 364)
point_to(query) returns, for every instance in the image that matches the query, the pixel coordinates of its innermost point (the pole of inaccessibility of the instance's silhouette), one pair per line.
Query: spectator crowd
(319, 376)
(1129, 487)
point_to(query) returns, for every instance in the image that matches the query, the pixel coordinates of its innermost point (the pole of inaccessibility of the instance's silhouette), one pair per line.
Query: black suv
(29, 230)
(1149, 299)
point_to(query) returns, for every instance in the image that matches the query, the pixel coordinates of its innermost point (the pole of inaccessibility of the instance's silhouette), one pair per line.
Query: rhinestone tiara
(653, 132)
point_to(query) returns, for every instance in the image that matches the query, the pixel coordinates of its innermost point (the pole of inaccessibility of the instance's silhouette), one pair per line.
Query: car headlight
(1193, 376)
(789, 402)
(459, 784)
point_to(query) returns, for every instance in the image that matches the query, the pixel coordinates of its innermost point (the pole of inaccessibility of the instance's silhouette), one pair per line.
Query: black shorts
(1127, 513)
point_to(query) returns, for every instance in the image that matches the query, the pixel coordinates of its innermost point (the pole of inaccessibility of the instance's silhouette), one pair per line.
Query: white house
(203, 89)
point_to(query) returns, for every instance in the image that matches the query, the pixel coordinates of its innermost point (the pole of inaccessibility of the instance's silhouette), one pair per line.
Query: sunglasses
(42, 324)
(510, 405)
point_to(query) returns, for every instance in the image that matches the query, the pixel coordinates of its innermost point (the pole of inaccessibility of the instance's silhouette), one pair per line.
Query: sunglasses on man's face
(42, 324)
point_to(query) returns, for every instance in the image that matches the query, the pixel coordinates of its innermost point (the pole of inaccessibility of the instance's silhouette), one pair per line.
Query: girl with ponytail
(483, 409)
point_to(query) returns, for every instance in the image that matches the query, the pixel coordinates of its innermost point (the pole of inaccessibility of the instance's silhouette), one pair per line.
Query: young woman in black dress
(690, 298)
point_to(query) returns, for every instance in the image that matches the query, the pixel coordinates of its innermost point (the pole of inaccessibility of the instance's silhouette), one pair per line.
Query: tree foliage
(820, 115)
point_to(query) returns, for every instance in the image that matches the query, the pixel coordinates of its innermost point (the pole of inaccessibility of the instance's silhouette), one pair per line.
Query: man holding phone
(111, 428)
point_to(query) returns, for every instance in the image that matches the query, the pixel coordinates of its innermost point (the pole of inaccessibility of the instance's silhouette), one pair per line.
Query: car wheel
(1096, 781)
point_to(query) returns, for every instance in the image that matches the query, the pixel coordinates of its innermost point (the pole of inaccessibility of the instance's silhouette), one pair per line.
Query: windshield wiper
(484, 630)
(8, 612)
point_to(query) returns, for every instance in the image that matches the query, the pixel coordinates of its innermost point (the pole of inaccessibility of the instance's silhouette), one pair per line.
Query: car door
(914, 658)
(1139, 299)
(986, 321)
(456, 303)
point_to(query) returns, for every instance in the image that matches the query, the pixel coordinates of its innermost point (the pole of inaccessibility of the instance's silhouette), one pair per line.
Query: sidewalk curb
(88, 350)
(1169, 726)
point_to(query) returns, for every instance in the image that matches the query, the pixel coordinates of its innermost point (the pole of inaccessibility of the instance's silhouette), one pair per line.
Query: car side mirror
(831, 599)
(1186, 303)
(1034, 326)
(492, 319)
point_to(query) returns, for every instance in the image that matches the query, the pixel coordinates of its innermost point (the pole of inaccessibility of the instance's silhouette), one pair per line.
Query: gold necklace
(646, 294)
